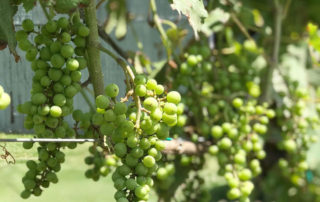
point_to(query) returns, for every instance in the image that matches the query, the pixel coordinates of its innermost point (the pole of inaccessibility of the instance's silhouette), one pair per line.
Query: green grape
(4, 101)
(72, 64)
(55, 111)
(140, 80)
(112, 90)
(27, 25)
(148, 161)
(151, 84)
(67, 51)
(21, 35)
(141, 90)
(57, 60)
(51, 26)
(102, 101)
(170, 108)
(174, 97)
(59, 100)
(120, 149)
(150, 103)
(120, 108)
(65, 37)
(83, 31)
(63, 23)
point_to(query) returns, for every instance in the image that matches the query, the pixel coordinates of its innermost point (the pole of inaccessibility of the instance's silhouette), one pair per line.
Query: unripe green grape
(192, 60)
(57, 61)
(132, 141)
(65, 80)
(4, 100)
(120, 149)
(150, 103)
(59, 100)
(31, 54)
(27, 145)
(233, 193)
(237, 102)
(83, 31)
(140, 80)
(52, 177)
(289, 145)
(27, 25)
(170, 108)
(51, 26)
(120, 108)
(156, 114)
(182, 120)
(141, 192)
(112, 90)
(145, 143)
(72, 64)
(55, 111)
(169, 119)
(58, 88)
(82, 63)
(225, 143)
(151, 84)
(63, 23)
(24, 45)
(25, 194)
(76, 76)
(109, 115)
(79, 41)
(67, 51)
(245, 174)
(70, 91)
(65, 37)
(38, 99)
(141, 90)
(162, 174)
(159, 89)
(174, 97)
(216, 132)
(102, 101)
(21, 35)
(55, 47)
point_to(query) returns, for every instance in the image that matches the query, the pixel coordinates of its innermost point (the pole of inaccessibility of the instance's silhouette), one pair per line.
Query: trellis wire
(47, 140)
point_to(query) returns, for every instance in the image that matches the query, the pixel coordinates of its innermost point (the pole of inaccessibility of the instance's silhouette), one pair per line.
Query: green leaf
(194, 10)
(215, 21)
(7, 34)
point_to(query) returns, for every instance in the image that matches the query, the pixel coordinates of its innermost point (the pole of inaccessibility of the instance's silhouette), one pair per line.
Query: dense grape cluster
(295, 122)
(56, 56)
(135, 136)
(240, 147)
(4, 99)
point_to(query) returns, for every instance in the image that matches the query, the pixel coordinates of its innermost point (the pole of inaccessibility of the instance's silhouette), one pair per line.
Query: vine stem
(129, 80)
(94, 63)
(267, 84)
(45, 11)
(159, 26)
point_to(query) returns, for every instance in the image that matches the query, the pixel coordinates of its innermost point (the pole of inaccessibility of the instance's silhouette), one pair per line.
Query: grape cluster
(214, 83)
(295, 123)
(135, 132)
(4, 99)
(239, 146)
(56, 65)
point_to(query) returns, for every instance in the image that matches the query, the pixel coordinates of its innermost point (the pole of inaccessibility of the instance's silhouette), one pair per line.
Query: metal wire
(46, 140)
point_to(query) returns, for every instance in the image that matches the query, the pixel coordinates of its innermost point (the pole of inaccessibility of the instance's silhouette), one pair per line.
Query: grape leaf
(194, 10)
(215, 21)
(7, 34)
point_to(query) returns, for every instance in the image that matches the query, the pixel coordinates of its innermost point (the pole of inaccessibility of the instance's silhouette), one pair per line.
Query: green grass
(72, 185)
